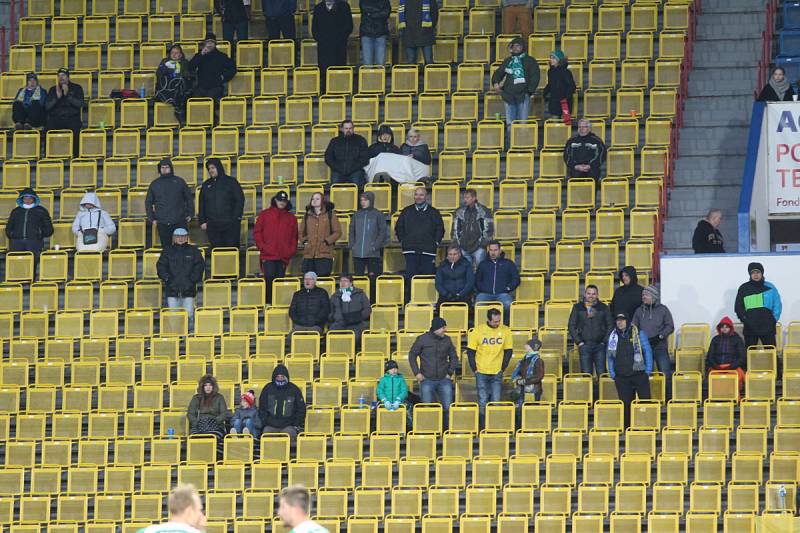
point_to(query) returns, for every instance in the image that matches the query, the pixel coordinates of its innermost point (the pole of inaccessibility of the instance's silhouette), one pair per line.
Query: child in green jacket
(392, 388)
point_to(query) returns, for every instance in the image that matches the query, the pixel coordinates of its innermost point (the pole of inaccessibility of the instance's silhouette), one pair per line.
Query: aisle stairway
(714, 136)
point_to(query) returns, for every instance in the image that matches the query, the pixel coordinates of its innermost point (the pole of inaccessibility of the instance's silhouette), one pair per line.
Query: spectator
(529, 372)
(181, 267)
(472, 228)
(92, 226)
(417, 23)
(221, 206)
(433, 361)
(235, 20)
(294, 509)
(319, 231)
(584, 153)
(489, 350)
(208, 412)
(517, 78)
(455, 279)
(331, 28)
(28, 224)
(655, 320)
(275, 234)
(185, 513)
(589, 324)
(416, 148)
(27, 111)
(214, 69)
(368, 235)
(560, 86)
(63, 104)
(727, 351)
(310, 306)
(517, 14)
(279, 15)
(347, 155)
(758, 306)
(384, 143)
(630, 363)
(496, 278)
(245, 418)
(169, 203)
(420, 229)
(374, 30)
(281, 406)
(174, 81)
(350, 308)
(707, 238)
(628, 296)
(392, 389)
(778, 88)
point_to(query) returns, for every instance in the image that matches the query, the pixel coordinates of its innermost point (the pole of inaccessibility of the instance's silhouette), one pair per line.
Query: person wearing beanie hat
(560, 86)
(213, 70)
(517, 14)
(245, 417)
(169, 203)
(489, 350)
(654, 319)
(630, 362)
(275, 234)
(181, 267)
(220, 207)
(63, 106)
(758, 306)
(433, 358)
(368, 236)
(392, 389)
(515, 80)
(208, 411)
(27, 111)
(281, 406)
(528, 374)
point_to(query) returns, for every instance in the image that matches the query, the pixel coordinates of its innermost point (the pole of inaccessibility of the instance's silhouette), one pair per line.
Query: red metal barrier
(3, 49)
(766, 46)
(12, 22)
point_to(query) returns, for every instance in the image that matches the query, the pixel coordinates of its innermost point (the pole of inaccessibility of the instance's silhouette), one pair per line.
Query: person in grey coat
(655, 320)
(350, 308)
(369, 234)
(417, 22)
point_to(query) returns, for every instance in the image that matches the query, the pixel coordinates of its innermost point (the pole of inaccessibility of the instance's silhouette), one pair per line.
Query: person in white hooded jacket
(92, 226)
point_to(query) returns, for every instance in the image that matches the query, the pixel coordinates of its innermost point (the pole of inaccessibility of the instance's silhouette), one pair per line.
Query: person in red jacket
(276, 238)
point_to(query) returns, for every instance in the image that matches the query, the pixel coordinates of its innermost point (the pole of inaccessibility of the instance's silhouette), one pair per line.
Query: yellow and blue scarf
(427, 19)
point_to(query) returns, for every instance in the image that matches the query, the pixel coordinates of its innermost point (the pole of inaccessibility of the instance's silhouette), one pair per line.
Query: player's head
(295, 506)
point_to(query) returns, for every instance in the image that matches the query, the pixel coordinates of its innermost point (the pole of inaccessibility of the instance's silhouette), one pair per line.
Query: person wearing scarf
(529, 372)
(778, 88)
(516, 79)
(417, 20)
(630, 363)
(28, 108)
(174, 82)
(350, 308)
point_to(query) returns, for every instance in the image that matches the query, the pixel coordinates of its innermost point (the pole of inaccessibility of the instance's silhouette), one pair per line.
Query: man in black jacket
(169, 203)
(347, 155)
(584, 153)
(628, 296)
(63, 105)
(28, 224)
(420, 229)
(221, 205)
(310, 306)
(707, 238)
(433, 361)
(180, 267)
(589, 325)
(331, 26)
(214, 69)
(281, 406)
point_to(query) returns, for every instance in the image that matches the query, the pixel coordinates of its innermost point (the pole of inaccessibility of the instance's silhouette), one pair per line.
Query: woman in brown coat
(319, 231)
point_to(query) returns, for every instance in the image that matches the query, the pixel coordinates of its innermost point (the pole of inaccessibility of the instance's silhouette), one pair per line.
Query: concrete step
(727, 53)
(696, 201)
(718, 110)
(678, 232)
(706, 82)
(730, 141)
(724, 171)
(742, 24)
(716, 7)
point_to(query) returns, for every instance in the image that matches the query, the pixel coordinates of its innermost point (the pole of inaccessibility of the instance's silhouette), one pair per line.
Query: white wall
(702, 288)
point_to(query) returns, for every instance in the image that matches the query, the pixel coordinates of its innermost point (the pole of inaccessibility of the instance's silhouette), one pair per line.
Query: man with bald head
(420, 230)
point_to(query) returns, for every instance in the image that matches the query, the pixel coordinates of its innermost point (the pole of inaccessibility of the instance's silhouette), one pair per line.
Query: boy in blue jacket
(630, 363)
(392, 388)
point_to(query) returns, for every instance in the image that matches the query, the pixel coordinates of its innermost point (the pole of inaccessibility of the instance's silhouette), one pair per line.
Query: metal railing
(767, 36)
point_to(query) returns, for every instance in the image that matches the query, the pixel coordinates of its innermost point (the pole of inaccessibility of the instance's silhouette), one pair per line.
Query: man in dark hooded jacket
(281, 406)
(221, 205)
(628, 296)
(28, 224)
(727, 351)
(497, 278)
(758, 306)
(214, 69)
(369, 234)
(169, 203)
(310, 306)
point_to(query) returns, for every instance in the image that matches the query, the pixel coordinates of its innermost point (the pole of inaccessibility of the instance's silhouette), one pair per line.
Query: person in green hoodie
(392, 388)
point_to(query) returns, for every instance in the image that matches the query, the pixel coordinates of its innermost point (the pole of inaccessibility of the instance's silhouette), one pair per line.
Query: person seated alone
(455, 279)
(584, 153)
(281, 406)
(726, 351)
(350, 308)
(310, 306)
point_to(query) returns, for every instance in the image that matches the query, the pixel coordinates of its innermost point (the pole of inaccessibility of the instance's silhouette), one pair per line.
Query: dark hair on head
(592, 286)
(779, 68)
(346, 121)
(493, 312)
(346, 276)
(494, 241)
(454, 247)
(472, 192)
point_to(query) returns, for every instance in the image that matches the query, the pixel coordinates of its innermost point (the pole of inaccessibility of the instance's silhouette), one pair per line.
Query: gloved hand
(387, 404)
(395, 405)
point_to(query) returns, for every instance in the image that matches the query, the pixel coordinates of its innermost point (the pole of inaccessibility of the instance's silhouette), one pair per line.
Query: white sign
(783, 166)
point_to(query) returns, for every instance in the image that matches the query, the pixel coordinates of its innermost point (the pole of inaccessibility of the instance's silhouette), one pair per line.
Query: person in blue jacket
(630, 363)
(758, 306)
(496, 278)
(455, 279)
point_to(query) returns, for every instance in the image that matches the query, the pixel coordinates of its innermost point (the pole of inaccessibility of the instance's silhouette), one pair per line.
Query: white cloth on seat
(401, 168)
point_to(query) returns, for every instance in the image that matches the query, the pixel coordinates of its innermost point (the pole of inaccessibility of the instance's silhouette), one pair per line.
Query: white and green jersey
(309, 526)
(170, 527)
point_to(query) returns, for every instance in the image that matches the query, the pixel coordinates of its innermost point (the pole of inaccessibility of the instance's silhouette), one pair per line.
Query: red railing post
(12, 21)
(3, 49)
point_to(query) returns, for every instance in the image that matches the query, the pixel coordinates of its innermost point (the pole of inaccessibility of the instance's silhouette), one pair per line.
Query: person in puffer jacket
(392, 389)
(369, 235)
(245, 417)
(207, 411)
(433, 361)
(584, 153)
(346, 155)
(276, 238)
(181, 268)
(169, 203)
(28, 224)
(758, 306)
(92, 217)
(496, 279)
(727, 351)
(350, 308)
(655, 320)
(455, 279)
(310, 306)
(281, 406)
(220, 206)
